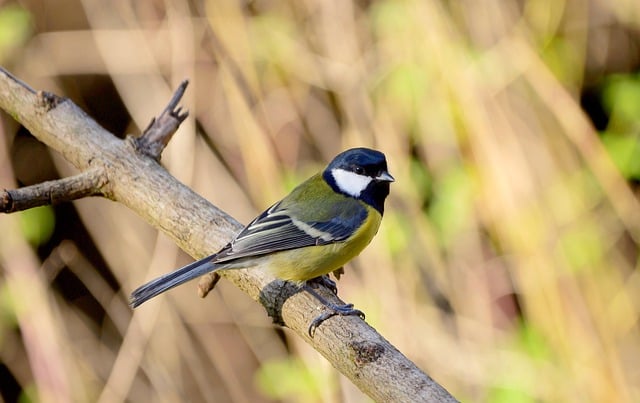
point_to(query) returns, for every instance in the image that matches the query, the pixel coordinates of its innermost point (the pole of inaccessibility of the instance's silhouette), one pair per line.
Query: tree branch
(156, 137)
(88, 183)
(198, 227)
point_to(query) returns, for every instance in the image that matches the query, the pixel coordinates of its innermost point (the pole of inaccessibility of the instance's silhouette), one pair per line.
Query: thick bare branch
(88, 183)
(140, 183)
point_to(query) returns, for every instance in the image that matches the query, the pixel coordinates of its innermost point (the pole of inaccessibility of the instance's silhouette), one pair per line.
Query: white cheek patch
(350, 182)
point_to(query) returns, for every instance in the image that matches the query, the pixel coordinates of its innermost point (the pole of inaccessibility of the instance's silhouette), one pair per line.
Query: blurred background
(507, 263)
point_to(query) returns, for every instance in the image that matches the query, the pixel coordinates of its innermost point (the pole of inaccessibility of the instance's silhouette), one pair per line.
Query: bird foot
(325, 281)
(333, 309)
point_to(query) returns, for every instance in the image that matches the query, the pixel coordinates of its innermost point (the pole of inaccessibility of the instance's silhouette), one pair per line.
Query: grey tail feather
(170, 280)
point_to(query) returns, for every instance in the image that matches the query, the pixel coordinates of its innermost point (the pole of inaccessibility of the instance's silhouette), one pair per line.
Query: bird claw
(325, 281)
(334, 310)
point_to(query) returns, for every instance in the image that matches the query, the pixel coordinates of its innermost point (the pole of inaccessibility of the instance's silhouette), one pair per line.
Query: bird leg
(342, 310)
(325, 281)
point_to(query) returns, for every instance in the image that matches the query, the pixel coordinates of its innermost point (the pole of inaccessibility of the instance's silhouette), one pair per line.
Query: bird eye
(359, 170)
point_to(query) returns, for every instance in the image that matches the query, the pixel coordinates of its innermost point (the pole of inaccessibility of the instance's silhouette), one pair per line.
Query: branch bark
(159, 132)
(198, 227)
(87, 183)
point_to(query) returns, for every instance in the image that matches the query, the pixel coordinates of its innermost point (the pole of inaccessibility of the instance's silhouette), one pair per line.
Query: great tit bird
(322, 224)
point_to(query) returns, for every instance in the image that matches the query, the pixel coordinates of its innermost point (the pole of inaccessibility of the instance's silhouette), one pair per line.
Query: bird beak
(385, 177)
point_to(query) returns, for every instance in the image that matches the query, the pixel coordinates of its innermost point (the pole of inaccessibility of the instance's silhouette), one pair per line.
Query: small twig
(88, 183)
(157, 135)
(207, 283)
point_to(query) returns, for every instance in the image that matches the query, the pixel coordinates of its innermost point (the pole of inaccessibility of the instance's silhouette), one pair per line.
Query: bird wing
(278, 229)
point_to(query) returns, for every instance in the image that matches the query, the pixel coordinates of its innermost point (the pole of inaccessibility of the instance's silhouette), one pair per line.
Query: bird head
(360, 173)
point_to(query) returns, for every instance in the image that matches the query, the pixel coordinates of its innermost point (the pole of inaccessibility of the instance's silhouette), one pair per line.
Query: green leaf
(625, 153)
(290, 378)
(37, 224)
(513, 384)
(621, 98)
(15, 29)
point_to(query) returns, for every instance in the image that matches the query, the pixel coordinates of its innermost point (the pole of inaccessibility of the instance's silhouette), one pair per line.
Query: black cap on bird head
(360, 173)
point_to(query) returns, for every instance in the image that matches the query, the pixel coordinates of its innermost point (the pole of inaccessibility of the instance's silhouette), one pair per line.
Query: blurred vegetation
(507, 263)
